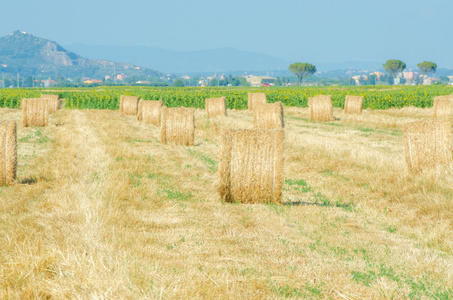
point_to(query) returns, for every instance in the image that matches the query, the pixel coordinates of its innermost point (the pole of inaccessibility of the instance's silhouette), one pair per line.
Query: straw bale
(8, 152)
(53, 102)
(216, 107)
(428, 143)
(320, 108)
(268, 115)
(443, 106)
(35, 112)
(256, 98)
(177, 126)
(353, 104)
(139, 110)
(149, 111)
(128, 105)
(23, 107)
(251, 165)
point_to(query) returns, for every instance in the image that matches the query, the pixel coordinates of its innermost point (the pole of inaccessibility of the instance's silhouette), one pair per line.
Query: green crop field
(375, 97)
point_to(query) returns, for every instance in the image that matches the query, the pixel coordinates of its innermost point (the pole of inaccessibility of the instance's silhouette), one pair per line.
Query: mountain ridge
(203, 61)
(25, 54)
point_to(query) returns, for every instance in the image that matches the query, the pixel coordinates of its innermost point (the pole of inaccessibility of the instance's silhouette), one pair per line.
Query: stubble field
(103, 210)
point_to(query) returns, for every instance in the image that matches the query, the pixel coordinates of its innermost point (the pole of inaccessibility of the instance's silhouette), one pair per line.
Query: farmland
(102, 209)
(380, 97)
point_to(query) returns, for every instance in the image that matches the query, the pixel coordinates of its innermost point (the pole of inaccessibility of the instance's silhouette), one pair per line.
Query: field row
(103, 209)
(108, 97)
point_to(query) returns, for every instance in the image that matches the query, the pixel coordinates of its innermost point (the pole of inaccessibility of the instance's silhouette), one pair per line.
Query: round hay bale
(8, 152)
(320, 108)
(139, 110)
(255, 98)
(268, 115)
(177, 126)
(251, 165)
(52, 101)
(128, 105)
(428, 143)
(35, 112)
(216, 107)
(353, 104)
(23, 107)
(121, 104)
(149, 111)
(443, 106)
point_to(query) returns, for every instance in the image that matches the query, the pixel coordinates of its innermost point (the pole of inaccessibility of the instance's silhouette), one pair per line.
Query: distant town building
(260, 80)
(359, 78)
(378, 75)
(450, 78)
(90, 81)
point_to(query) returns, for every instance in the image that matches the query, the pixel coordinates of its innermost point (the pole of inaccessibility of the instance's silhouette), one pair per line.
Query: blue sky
(323, 31)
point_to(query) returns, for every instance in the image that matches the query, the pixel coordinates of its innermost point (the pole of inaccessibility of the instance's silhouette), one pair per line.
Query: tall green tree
(302, 70)
(178, 82)
(393, 66)
(427, 67)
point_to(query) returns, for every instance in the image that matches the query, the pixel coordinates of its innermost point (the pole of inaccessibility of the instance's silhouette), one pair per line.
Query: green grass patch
(206, 160)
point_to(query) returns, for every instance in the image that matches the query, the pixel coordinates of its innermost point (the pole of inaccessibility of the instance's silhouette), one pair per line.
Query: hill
(204, 62)
(221, 60)
(27, 55)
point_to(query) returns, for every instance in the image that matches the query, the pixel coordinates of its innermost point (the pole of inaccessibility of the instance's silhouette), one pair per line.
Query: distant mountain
(222, 60)
(217, 60)
(27, 55)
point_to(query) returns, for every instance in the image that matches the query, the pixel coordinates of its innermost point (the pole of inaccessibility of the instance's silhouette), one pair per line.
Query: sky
(313, 31)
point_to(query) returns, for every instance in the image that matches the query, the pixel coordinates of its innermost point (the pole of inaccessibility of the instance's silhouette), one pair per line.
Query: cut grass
(107, 214)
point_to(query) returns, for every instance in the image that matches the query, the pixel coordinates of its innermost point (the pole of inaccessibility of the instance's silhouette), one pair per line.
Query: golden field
(103, 210)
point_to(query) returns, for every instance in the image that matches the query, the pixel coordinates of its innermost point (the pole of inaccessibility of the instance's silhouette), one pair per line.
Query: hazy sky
(323, 31)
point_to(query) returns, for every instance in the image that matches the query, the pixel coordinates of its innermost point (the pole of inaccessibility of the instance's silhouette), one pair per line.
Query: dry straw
(216, 107)
(35, 112)
(128, 105)
(251, 165)
(353, 104)
(254, 98)
(443, 106)
(320, 108)
(268, 116)
(177, 126)
(8, 152)
(53, 102)
(149, 111)
(428, 143)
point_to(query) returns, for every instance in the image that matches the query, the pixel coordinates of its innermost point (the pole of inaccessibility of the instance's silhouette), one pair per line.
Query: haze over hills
(27, 55)
(222, 60)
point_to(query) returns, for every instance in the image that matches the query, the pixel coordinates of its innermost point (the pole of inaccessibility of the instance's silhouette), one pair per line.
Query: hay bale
(268, 115)
(216, 107)
(428, 143)
(177, 126)
(23, 108)
(149, 111)
(251, 165)
(53, 102)
(353, 104)
(256, 98)
(443, 106)
(35, 112)
(139, 110)
(320, 108)
(8, 152)
(128, 105)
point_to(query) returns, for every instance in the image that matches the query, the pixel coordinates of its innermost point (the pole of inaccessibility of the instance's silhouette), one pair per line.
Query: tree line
(391, 66)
